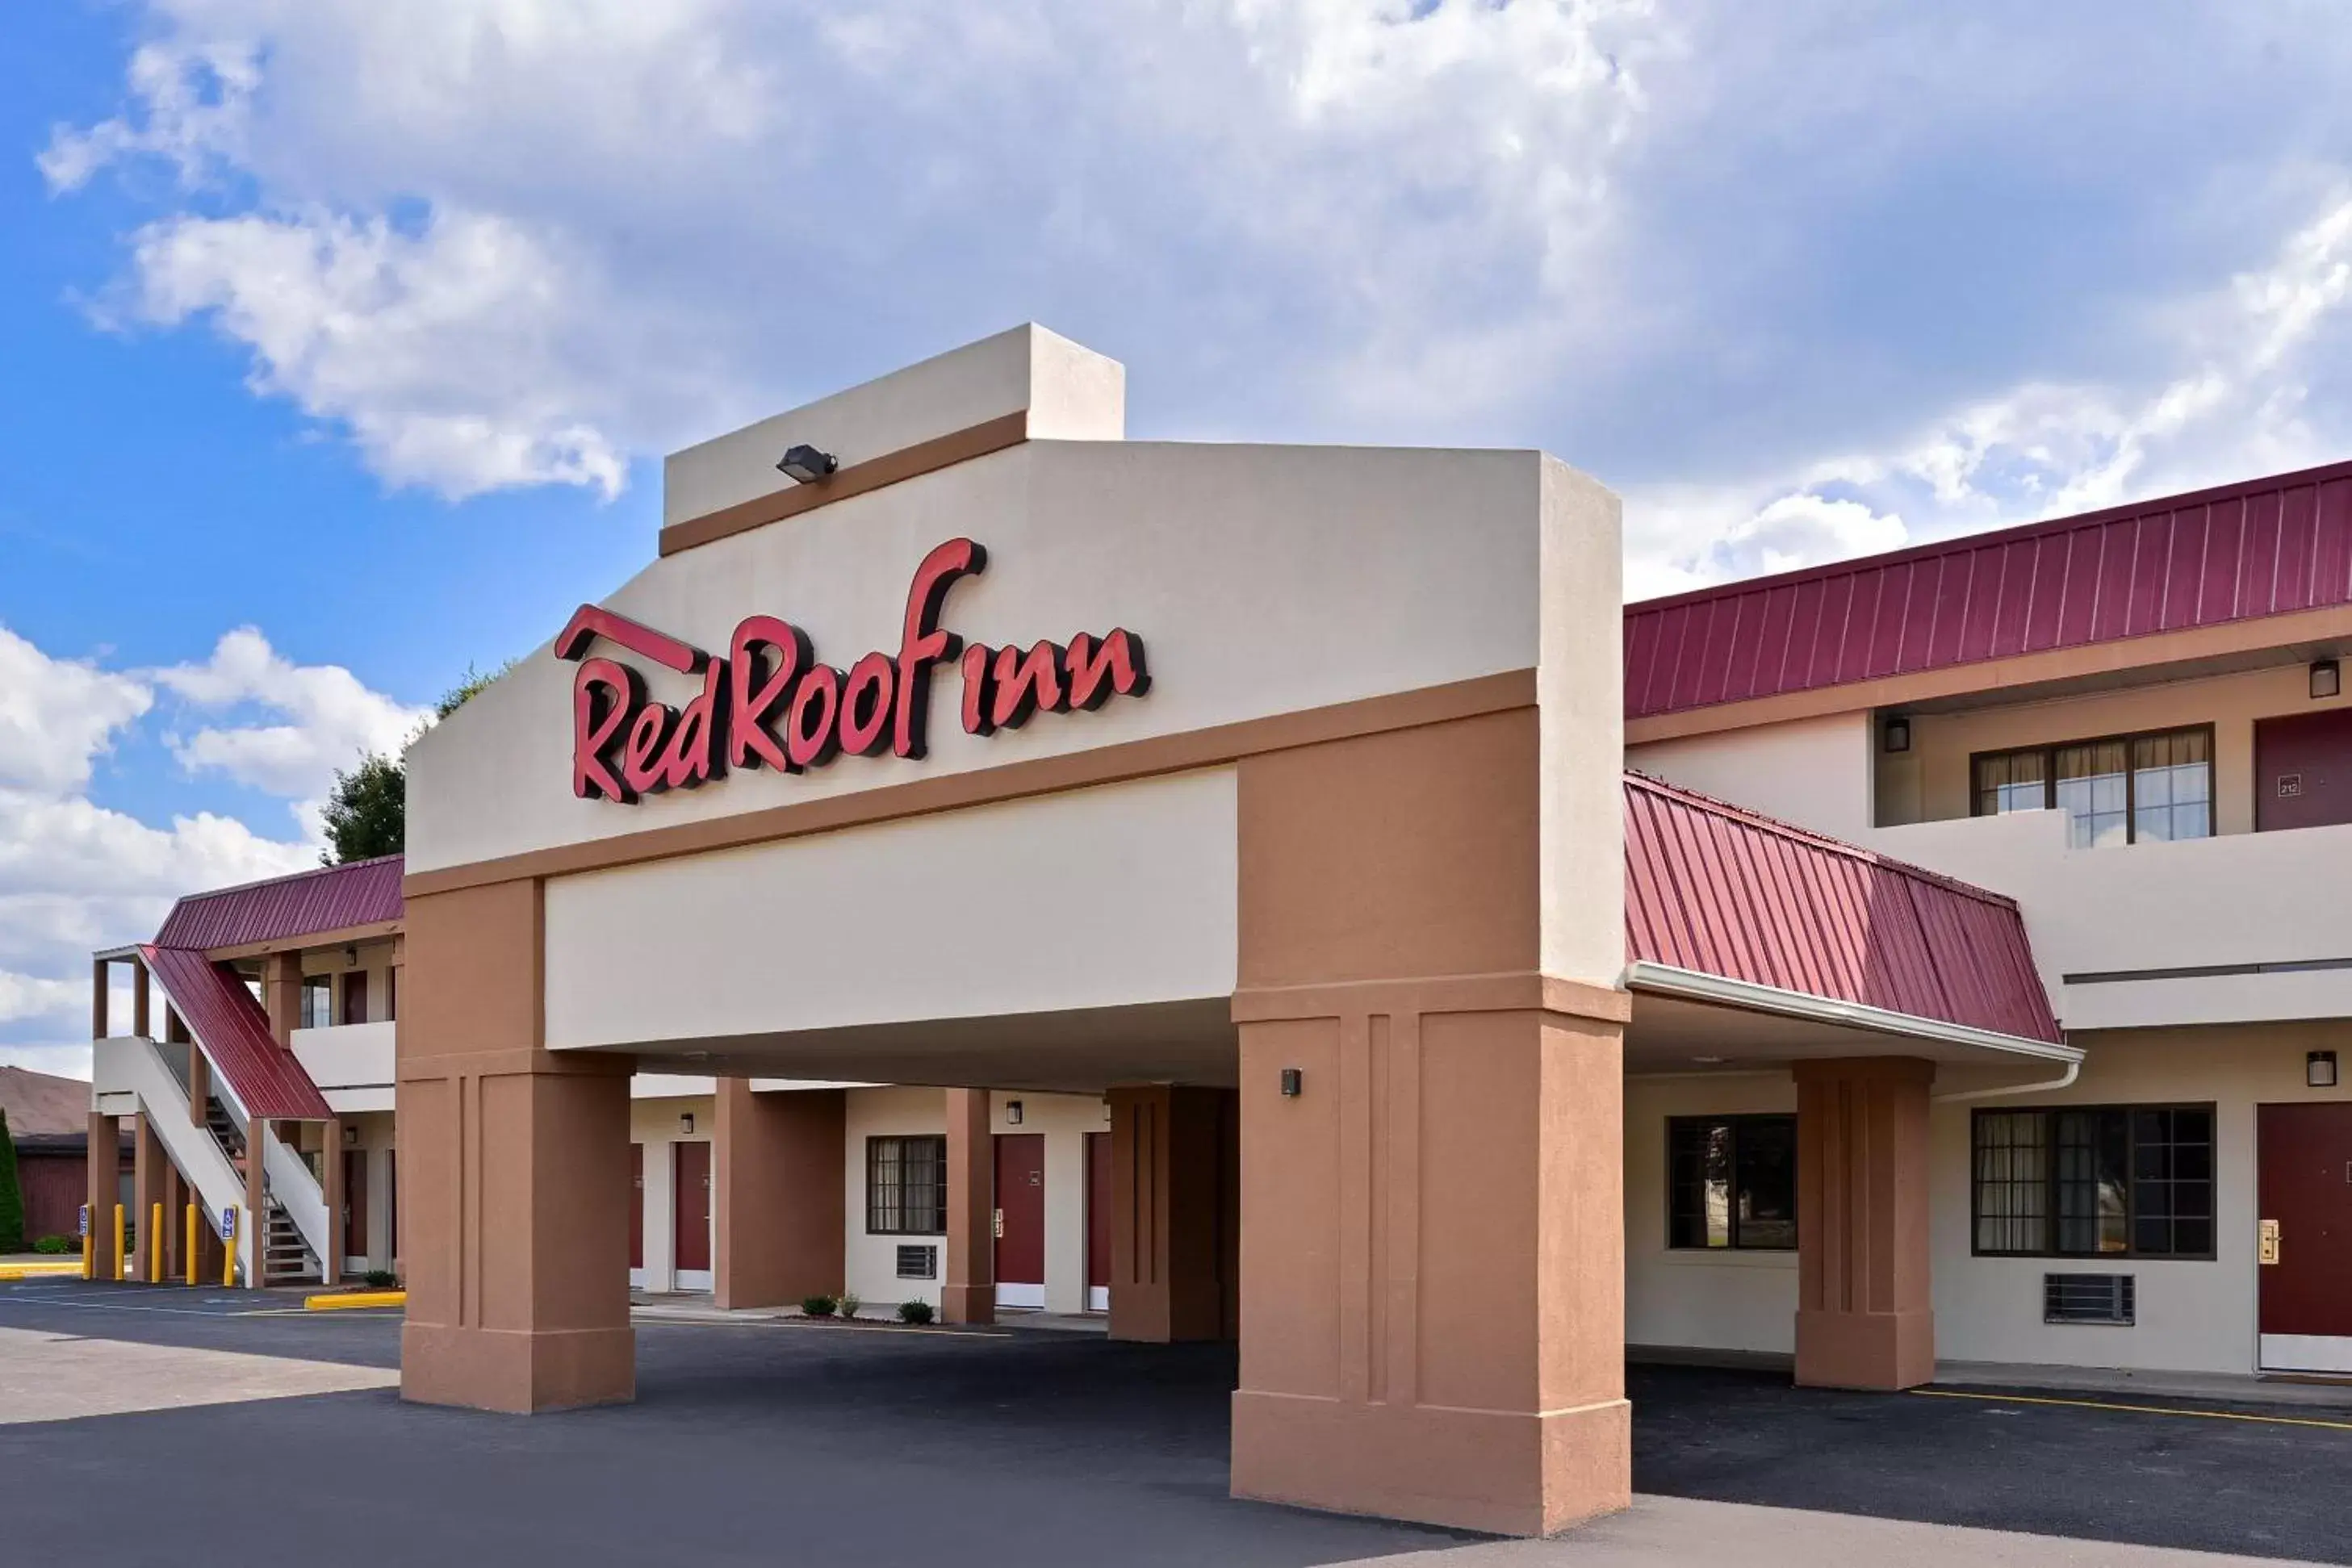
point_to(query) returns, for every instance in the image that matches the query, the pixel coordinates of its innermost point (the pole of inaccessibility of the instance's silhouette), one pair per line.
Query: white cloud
(330, 719)
(502, 243)
(76, 876)
(2232, 399)
(57, 715)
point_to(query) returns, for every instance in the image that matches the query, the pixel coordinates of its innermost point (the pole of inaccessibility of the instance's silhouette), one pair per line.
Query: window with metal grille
(2090, 1299)
(906, 1185)
(2095, 1181)
(1732, 1181)
(918, 1262)
(2124, 789)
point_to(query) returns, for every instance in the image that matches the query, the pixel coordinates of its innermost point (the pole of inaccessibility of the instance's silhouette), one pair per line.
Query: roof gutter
(1690, 984)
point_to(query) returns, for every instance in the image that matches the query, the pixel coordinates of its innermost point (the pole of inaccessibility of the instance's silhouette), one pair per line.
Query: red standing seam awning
(234, 1031)
(1716, 889)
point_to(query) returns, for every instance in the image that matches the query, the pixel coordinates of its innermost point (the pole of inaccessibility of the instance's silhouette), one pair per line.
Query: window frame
(2051, 1213)
(2049, 754)
(1734, 1121)
(873, 1142)
(323, 987)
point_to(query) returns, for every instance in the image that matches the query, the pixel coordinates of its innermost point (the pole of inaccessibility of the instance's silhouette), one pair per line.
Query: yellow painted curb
(342, 1301)
(64, 1266)
(2135, 1409)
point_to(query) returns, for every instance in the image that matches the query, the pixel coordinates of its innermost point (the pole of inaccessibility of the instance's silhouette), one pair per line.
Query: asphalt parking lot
(800, 1443)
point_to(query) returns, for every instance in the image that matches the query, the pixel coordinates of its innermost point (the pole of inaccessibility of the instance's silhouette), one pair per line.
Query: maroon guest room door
(1021, 1219)
(692, 1208)
(2303, 770)
(637, 1211)
(2305, 1154)
(1097, 1222)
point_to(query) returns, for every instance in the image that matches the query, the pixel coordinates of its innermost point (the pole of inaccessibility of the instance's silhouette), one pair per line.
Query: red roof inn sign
(769, 703)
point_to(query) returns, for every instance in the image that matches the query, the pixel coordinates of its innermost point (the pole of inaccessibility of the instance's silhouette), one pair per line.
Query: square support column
(779, 1186)
(282, 994)
(149, 1185)
(514, 1172)
(102, 1191)
(253, 1239)
(968, 1294)
(1433, 1218)
(1865, 1317)
(1169, 1196)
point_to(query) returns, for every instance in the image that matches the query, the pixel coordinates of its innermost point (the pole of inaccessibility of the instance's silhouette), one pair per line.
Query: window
(2095, 1182)
(1732, 1181)
(906, 1187)
(2134, 788)
(318, 1000)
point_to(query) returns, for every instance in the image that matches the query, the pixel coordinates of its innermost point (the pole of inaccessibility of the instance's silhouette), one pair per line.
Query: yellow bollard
(228, 1252)
(155, 1246)
(121, 1272)
(89, 1253)
(191, 1253)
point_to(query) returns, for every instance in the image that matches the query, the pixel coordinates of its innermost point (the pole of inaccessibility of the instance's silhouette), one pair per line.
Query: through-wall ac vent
(918, 1262)
(2089, 1298)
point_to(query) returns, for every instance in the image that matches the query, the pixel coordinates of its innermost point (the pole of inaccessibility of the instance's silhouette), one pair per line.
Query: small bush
(57, 1244)
(818, 1306)
(850, 1302)
(914, 1312)
(380, 1278)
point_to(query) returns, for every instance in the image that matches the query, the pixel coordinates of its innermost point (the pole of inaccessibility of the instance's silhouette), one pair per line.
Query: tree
(12, 1200)
(367, 814)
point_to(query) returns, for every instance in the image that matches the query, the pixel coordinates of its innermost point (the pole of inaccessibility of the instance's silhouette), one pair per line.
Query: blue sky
(343, 339)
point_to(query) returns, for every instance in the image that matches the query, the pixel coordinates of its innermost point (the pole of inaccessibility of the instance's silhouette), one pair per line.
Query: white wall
(1814, 772)
(1063, 1120)
(2194, 1316)
(871, 1266)
(1744, 1302)
(1261, 579)
(1118, 894)
(654, 1122)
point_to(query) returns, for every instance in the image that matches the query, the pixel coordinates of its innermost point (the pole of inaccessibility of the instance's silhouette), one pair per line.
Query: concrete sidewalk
(48, 1376)
(1683, 1530)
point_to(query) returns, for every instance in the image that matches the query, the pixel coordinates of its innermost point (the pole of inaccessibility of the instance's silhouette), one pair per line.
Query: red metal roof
(1723, 891)
(333, 898)
(234, 1029)
(2265, 547)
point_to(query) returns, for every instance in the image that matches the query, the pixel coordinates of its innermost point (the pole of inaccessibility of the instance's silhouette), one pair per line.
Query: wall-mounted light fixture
(1291, 1081)
(350, 1137)
(1013, 1112)
(2326, 678)
(352, 957)
(2319, 1070)
(805, 465)
(685, 1123)
(1897, 734)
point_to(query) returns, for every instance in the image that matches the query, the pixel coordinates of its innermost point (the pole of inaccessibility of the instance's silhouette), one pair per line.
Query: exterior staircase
(285, 1258)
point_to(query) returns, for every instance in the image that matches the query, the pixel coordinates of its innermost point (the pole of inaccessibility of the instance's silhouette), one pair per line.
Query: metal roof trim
(1749, 995)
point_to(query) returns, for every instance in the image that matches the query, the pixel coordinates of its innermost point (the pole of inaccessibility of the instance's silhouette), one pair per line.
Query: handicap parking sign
(85, 1220)
(228, 1222)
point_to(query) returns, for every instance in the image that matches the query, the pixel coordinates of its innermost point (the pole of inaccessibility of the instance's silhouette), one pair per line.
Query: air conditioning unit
(918, 1262)
(2111, 1299)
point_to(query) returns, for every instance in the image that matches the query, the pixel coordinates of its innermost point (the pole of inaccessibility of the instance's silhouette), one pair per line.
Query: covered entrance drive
(1325, 894)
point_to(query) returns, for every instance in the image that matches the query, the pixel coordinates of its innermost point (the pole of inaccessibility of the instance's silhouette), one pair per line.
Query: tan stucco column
(149, 1185)
(1433, 1259)
(513, 1168)
(256, 1218)
(968, 1294)
(139, 1002)
(1864, 1313)
(103, 1184)
(1167, 1200)
(281, 993)
(778, 1189)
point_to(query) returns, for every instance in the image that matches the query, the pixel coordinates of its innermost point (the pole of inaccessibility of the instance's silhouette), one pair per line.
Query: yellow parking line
(348, 1300)
(2137, 1409)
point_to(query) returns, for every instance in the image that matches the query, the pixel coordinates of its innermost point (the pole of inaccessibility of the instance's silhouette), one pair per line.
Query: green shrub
(914, 1312)
(57, 1244)
(12, 1201)
(850, 1302)
(818, 1306)
(380, 1278)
